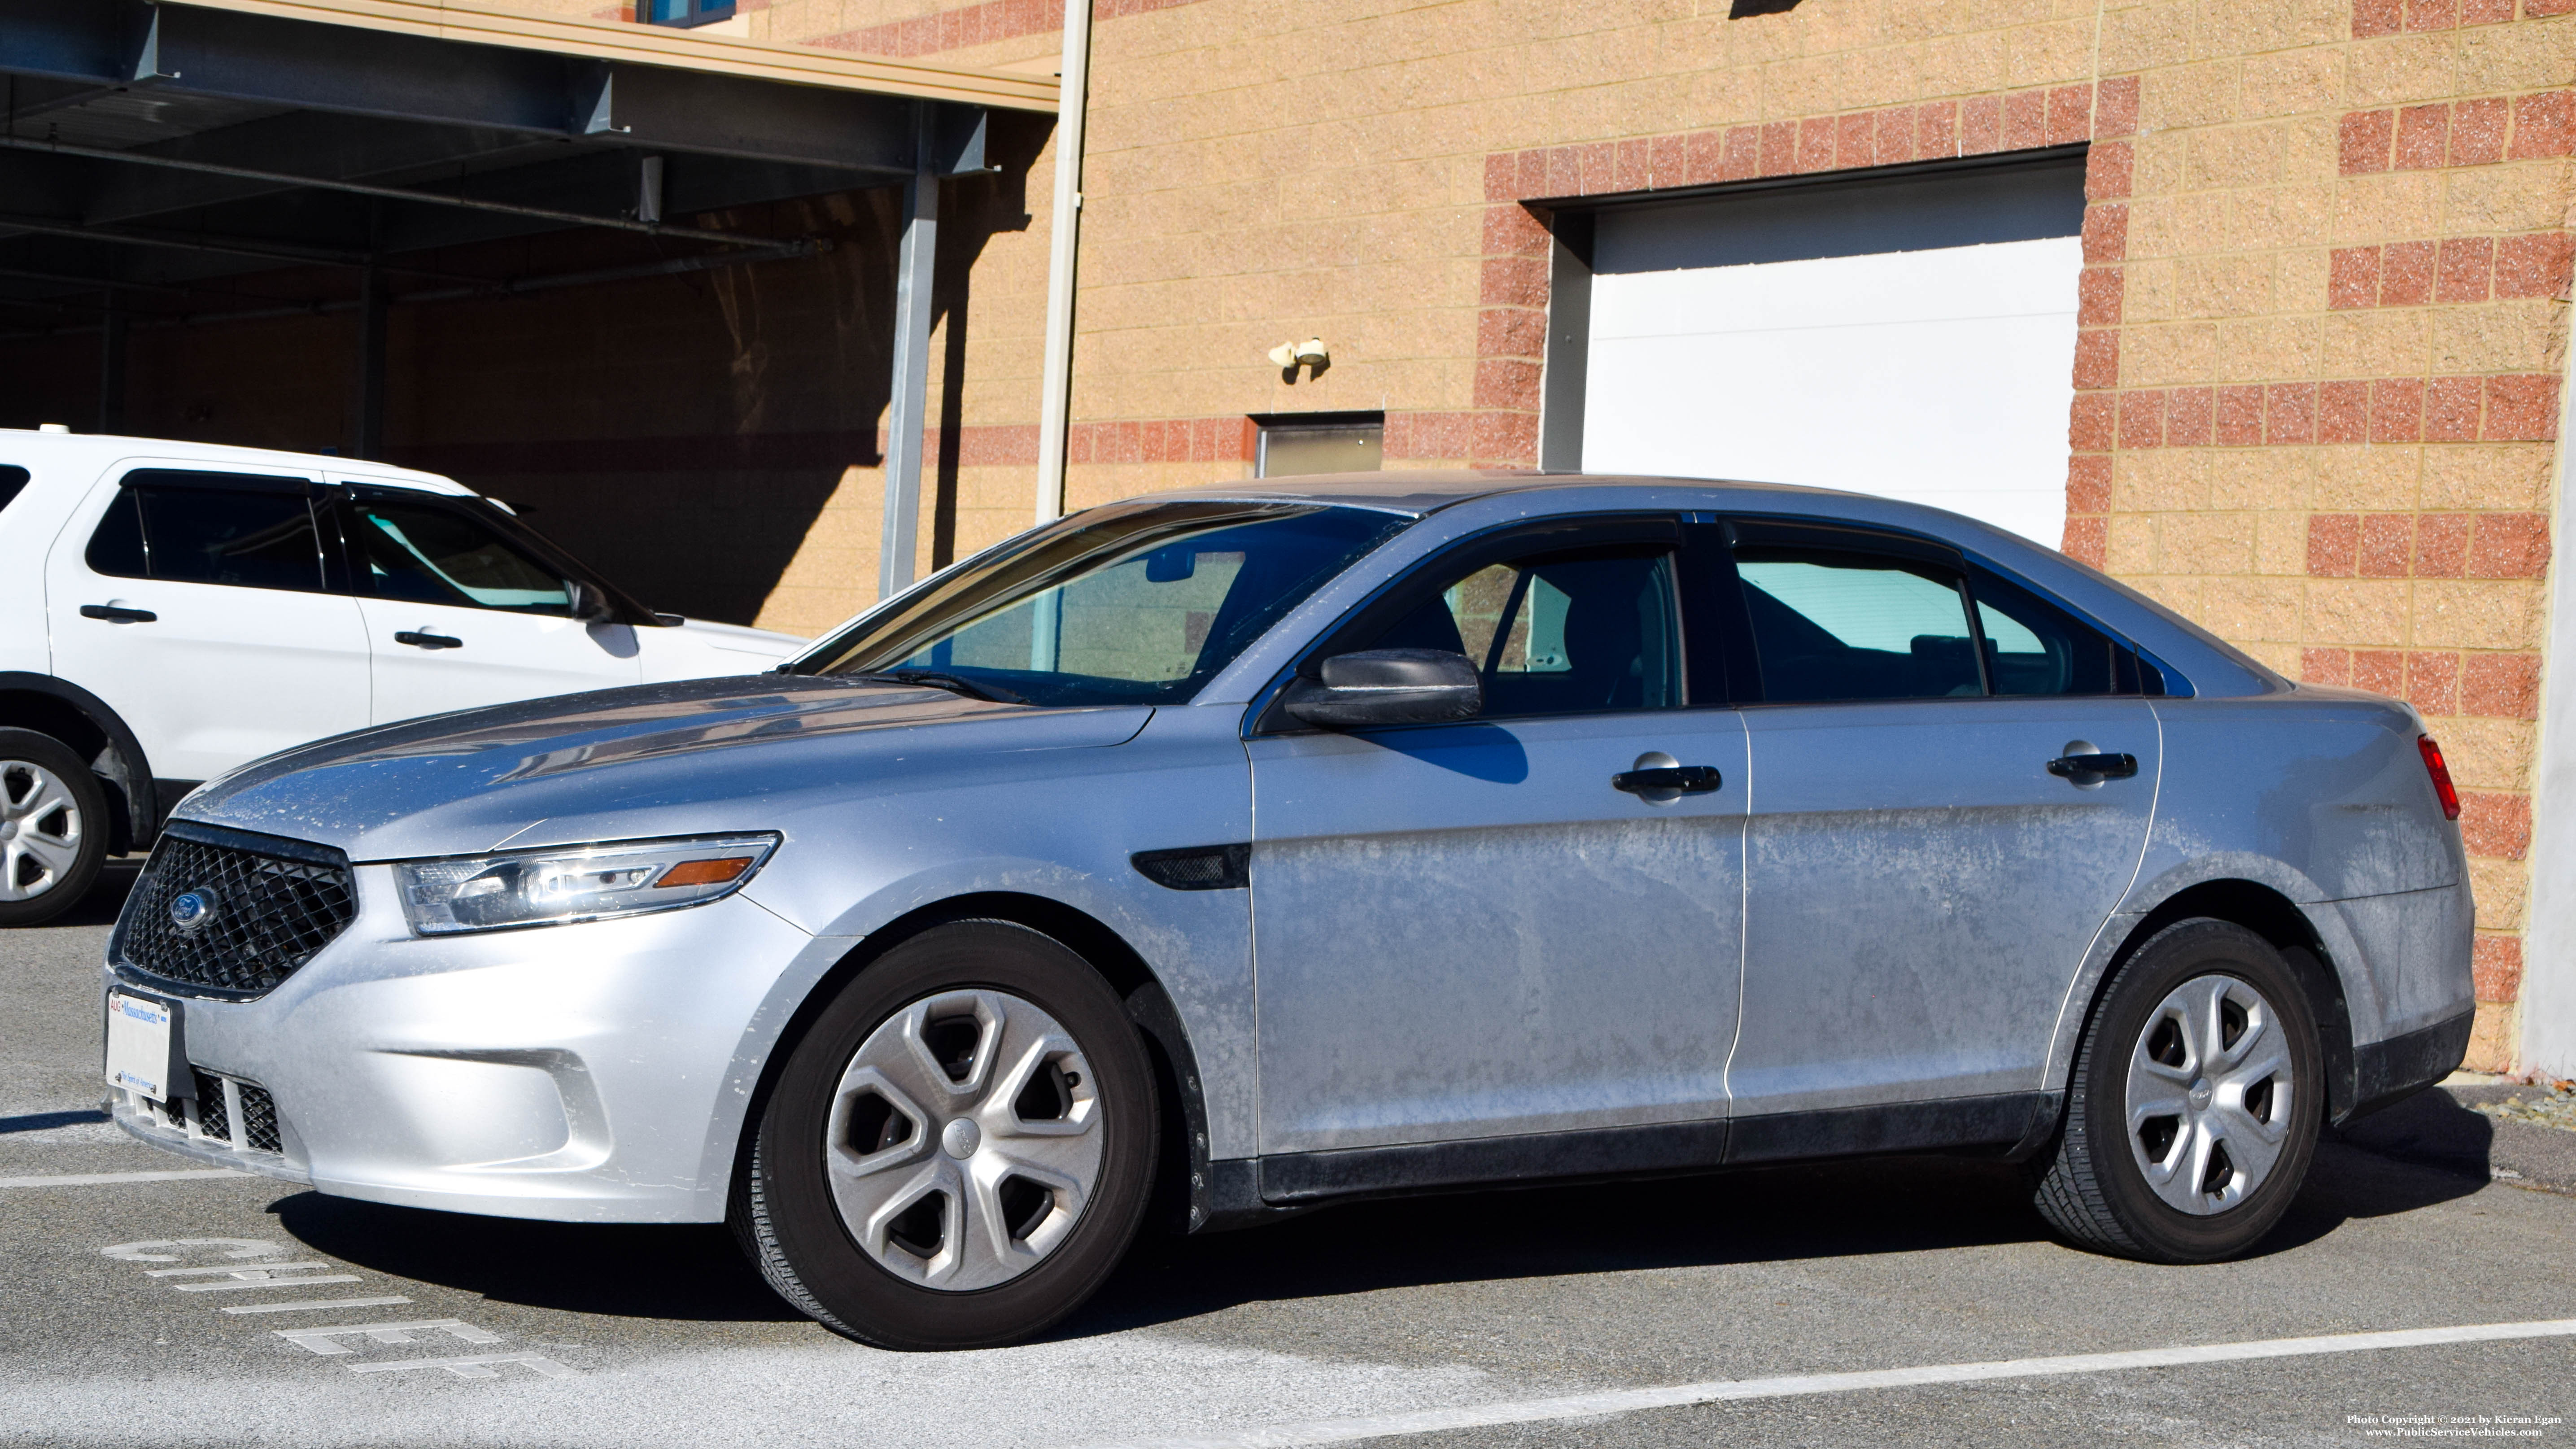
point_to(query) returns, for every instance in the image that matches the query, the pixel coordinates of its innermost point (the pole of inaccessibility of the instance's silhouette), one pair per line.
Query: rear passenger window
(11, 481)
(1830, 625)
(197, 534)
(2035, 647)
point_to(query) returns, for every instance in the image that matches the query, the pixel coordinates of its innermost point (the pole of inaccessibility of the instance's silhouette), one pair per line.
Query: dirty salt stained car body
(1219, 856)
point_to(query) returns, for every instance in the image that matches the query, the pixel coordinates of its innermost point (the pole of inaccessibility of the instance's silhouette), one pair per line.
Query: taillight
(2441, 774)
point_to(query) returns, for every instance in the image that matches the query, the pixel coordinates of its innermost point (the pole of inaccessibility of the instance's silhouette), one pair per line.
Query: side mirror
(1388, 687)
(587, 603)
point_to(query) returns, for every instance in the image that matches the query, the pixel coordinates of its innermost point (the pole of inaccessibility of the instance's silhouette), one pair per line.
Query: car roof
(1424, 491)
(103, 448)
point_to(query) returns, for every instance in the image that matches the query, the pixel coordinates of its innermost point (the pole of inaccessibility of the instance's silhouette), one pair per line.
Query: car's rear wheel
(53, 828)
(959, 1149)
(2193, 1109)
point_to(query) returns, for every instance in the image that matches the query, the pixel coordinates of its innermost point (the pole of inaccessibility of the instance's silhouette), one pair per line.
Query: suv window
(11, 480)
(1835, 625)
(198, 531)
(1564, 632)
(428, 554)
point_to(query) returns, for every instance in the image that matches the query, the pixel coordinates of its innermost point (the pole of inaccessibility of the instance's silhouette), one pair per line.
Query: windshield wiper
(953, 683)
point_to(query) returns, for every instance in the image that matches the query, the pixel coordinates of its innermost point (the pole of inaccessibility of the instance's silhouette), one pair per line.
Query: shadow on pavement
(689, 1272)
(1844, 1209)
(106, 895)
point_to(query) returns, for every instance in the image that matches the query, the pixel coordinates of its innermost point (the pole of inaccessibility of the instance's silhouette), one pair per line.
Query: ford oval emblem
(191, 909)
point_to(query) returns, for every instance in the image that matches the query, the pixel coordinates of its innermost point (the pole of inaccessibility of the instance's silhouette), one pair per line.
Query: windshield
(1134, 603)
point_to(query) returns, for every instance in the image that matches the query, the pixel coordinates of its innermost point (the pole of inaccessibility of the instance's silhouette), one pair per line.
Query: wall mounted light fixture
(1310, 354)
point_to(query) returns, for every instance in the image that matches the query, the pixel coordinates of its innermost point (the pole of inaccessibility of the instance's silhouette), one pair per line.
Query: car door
(1920, 887)
(459, 616)
(1466, 931)
(210, 611)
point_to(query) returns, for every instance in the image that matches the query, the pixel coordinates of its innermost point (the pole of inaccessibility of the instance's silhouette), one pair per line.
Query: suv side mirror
(1388, 687)
(586, 601)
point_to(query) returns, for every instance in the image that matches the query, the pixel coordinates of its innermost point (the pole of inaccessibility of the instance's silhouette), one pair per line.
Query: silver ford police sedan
(1220, 855)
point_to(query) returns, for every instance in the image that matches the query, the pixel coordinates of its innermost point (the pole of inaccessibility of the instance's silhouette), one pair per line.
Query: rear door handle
(2086, 769)
(118, 614)
(420, 639)
(1669, 780)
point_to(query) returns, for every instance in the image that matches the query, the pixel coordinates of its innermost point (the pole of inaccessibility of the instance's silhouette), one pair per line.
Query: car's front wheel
(959, 1149)
(2193, 1109)
(53, 827)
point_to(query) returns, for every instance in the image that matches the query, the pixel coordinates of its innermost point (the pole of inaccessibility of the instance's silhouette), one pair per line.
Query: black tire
(23, 753)
(2093, 1188)
(784, 1212)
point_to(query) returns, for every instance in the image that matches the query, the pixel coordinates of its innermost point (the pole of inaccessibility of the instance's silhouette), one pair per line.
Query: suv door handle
(421, 639)
(118, 614)
(2086, 769)
(1681, 779)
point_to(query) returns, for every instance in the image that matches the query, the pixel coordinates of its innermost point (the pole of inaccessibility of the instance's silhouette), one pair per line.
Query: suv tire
(53, 828)
(2205, 1020)
(958, 1150)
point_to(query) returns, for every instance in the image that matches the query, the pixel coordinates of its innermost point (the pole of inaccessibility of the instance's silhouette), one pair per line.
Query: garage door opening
(1911, 336)
(672, 294)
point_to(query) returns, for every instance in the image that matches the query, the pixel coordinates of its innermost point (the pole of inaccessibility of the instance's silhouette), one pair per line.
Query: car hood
(658, 759)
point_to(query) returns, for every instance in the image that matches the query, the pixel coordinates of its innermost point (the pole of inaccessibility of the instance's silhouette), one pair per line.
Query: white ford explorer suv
(169, 611)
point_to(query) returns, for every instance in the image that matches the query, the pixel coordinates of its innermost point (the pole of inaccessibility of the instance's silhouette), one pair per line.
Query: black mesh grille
(213, 1118)
(259, 1119)
(265, 914)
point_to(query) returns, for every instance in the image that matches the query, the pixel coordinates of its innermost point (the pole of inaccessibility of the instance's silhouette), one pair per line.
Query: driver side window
(426, 554)
(1565, 632)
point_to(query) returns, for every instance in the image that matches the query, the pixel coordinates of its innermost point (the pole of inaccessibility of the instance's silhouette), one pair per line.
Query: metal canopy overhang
(150, 149)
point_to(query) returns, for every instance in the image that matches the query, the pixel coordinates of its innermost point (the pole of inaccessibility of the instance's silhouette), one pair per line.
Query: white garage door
(1912, 338)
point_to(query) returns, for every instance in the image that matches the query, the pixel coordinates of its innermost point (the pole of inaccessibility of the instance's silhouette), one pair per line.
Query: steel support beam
(367, 399)
(907, 414)
(111, 366)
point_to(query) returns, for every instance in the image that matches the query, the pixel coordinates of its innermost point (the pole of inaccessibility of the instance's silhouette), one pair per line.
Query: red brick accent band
(2456, 269)
(2438, 682)
(2373, 18)
(2428, 545)
(984, 24)
(2495, 964)
(2510, 408)
(2458, 133)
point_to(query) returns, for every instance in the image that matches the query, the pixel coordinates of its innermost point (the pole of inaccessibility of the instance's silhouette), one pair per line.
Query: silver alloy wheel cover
(2205, 1095)
(39, 822)
(1015, 1041)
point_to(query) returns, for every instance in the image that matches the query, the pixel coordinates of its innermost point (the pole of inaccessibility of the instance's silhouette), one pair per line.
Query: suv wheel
(53, 828)
(960, 1148)
(2193, 1109)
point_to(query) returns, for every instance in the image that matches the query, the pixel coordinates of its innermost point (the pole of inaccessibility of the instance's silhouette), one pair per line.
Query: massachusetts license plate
(138, 1044)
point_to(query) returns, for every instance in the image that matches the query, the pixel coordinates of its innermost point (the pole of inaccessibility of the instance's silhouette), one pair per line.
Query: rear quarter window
(13, 481)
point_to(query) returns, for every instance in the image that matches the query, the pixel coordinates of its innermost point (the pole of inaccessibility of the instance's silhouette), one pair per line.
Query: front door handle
(422, 639)
(2093, 768)
(118, 614)
(1669, 780)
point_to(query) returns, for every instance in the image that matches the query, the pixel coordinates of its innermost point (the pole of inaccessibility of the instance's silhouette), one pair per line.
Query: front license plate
(138, 1044)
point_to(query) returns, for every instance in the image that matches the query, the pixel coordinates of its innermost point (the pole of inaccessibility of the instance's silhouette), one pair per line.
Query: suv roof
(99, 449)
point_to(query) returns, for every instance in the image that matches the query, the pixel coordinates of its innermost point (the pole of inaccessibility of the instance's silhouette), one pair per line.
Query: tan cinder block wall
(2324, 313)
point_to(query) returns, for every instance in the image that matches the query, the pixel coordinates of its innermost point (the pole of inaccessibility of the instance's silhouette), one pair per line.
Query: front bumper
(594, 1072)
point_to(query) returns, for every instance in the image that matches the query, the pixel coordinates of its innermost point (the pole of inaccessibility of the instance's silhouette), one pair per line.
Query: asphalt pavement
(2412, 1292)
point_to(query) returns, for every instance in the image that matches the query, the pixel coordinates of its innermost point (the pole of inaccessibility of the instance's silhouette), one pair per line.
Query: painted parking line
(103, 1179)
(1718, 1391)
(306, 1305)
(479, 1366)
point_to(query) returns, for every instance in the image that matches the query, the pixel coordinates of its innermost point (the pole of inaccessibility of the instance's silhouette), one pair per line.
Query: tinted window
(11, 480)
(433, 555)
(1558, 633)
(1830, 625)
(210, 535)
(2035, 647)
(1134, 603)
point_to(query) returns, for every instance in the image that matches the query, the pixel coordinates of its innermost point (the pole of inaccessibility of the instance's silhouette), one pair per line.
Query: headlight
(582, 883)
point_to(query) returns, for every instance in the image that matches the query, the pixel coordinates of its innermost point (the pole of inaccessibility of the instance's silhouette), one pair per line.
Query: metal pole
(367, 424)
(906, 417)
(111, 366)
(1055, 403)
